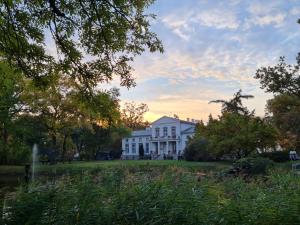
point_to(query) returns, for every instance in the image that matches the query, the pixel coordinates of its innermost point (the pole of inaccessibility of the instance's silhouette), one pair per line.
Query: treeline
(238, 132)
(61, 118)
(59, 54)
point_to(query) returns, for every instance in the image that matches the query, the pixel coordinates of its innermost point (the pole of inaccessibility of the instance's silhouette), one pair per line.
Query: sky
(212, 49)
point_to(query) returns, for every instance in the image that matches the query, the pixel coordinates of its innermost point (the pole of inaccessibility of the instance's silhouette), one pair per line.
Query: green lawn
(98, 165)
(94, 165)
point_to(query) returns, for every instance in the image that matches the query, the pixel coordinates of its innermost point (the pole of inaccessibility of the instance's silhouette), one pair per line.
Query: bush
(197, 150)
(253, 165)
(277, 156)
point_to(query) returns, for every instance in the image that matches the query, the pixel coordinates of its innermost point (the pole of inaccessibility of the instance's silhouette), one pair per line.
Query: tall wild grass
(174, 196)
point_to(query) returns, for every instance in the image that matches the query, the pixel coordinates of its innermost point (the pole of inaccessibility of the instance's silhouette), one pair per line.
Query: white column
(167, 147)
(177, 147)
(158, 147)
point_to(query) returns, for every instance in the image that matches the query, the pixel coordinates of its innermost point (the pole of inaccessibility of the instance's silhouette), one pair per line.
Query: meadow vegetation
(147, 194)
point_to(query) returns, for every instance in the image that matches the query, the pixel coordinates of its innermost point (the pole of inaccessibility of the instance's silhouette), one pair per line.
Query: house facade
(165, 137)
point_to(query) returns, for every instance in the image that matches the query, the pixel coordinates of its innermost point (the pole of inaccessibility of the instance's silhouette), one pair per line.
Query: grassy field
(98, 165)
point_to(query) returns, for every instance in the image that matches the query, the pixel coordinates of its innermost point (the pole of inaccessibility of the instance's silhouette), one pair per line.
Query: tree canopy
(89, 40)
(235, 104)
(236, 133)
(133, 115)
(282, 78)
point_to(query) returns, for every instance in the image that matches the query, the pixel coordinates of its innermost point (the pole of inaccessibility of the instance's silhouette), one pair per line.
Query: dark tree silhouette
(235, 104)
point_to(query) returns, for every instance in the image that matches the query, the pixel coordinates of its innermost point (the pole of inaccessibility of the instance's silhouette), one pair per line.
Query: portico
(165, 147)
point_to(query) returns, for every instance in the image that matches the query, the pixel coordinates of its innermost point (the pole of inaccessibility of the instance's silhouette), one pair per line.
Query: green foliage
(94, 40)
(281, 78)
(237, 132)
(237, 135)
(133, 115)
(284, 81)
(172, 197)
(11, 88)
(197, 150)
(235, 104)
(285, 111)
(252, 166)
(276, 156)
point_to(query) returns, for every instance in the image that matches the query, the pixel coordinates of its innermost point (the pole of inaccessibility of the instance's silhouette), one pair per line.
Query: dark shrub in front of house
(252, 166)
(276, 156)
(197, 150)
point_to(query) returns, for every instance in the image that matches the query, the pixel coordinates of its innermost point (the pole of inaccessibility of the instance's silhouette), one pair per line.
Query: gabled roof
(175, 119)
(137, 133)
(166, 117)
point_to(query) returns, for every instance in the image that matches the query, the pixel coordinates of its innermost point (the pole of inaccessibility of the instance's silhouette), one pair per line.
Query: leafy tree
(133, 115)
(197, 150)
(235, 104)
(92, 40)
(285, 111)
(238, 135)
(281, 78)
(11, 88)
(56, 108)
(237, 132)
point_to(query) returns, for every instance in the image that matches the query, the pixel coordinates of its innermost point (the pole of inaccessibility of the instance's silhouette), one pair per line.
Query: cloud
(211, 51)
(295, 11)
(217, 18)
(219, 62)
(263, 14)
(185, 21)
(275, 19)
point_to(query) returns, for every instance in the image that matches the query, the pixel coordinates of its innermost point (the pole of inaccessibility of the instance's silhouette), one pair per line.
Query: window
(157, 132)
(133, 150)
(147, 139)
(133, 139)
(140, 139)
(126, 139)
(173, 131)
(165, 131)
(127, 148)
(147, 148)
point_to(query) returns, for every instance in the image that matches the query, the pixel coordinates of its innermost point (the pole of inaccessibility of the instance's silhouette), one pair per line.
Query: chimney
(188, 119)
(193, 121)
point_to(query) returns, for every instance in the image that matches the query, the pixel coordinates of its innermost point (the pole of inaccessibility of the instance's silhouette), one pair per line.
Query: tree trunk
(54, 141)
(4, 160)
(297, 147)
(64, 148)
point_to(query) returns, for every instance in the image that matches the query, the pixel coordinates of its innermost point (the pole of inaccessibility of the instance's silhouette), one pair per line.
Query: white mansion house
(165, 137)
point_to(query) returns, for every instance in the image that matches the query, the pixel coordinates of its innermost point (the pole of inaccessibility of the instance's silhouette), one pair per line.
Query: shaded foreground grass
(156, 195)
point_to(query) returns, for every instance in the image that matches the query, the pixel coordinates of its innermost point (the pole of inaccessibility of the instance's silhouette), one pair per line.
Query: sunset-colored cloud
(212, 49)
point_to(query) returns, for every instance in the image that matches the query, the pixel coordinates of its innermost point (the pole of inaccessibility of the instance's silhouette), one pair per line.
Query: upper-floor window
(165, 131)
(126, 139)
(127, 148)
(173, 132)
(133, 139)
(140, 139)
(157, 132)
(133, 149)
